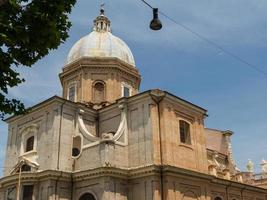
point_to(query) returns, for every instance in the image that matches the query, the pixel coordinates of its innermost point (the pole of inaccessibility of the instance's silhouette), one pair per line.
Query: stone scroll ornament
(83, 128)
(122, 130)
(24, 161)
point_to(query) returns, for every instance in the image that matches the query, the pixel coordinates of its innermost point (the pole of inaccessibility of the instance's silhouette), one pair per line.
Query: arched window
(87, 196)
(217, 198)
(29, 144)
(99, 92)
(184, 128)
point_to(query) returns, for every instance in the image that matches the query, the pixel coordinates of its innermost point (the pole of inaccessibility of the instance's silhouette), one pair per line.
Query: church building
(104, 140)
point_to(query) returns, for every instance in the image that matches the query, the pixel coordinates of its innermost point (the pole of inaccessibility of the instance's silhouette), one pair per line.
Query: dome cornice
(101, 63)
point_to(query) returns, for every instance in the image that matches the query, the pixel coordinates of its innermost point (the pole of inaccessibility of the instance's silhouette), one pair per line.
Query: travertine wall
(47, 121)
(143, 186)
(138, 148)
(152, 128)
(140, 133)
(189, 156)
(57, 124)
(176, 187)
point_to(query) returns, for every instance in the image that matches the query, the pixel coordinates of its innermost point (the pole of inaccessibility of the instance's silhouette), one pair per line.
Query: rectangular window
(126, 91)
(29, 144)
(25, 168)
(27, 192)
(72, 93)
(184, 132)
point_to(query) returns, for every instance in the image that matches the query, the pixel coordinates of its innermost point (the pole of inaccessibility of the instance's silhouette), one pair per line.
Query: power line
(212, 43)
(147, 4)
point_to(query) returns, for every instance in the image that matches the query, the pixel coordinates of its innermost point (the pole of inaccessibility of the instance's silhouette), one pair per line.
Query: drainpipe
(59, 133)
(158, 96)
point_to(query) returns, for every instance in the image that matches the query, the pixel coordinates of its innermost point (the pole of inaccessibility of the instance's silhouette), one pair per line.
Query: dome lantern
(102, 23)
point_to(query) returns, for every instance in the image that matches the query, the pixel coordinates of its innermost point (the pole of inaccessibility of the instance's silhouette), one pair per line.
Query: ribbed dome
(101, 43)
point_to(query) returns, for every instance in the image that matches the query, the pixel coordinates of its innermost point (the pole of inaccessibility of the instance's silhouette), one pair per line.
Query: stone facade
(119, 144)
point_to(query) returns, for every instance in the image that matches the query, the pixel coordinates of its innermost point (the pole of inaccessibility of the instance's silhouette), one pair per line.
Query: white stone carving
(264, 166)
(107, 136)
(230, 152)
(123, 127)
(83, 129)
(250, 166)
(214, 159)
(22, 161)
(122, 130)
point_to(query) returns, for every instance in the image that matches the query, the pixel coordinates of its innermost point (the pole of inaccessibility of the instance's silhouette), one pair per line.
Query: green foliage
(28, 30)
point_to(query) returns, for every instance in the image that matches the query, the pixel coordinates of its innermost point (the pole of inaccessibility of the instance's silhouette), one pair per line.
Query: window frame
(94, 90)
(90, 193)
(26, 133)
(23, 191)
(29, 143)
(70, 85)
(188, 135)
(125, 85)
(79, 147)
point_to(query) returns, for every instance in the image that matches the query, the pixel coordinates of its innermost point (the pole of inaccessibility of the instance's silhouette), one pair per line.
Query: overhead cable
(212, 43)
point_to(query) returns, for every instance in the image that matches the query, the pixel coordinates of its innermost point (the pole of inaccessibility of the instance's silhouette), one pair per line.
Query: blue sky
(175, 60)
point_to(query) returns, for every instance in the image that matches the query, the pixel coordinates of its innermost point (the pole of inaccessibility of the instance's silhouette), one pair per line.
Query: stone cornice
(100, 63)
(178, 172)
(48, 102)
(185, 103)
(150, 170)
(36, 107)
(35, 176)
(169, 96)
(117, 172)
(131, 99)
(126, 174)
(100, 172)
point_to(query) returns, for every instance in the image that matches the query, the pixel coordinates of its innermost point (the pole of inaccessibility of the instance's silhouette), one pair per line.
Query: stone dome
(101, 43)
